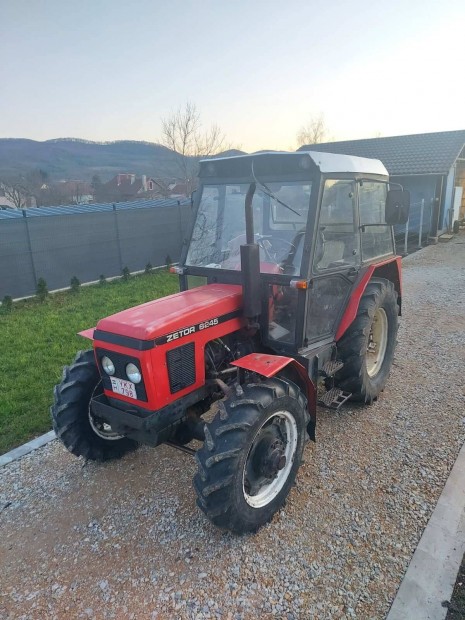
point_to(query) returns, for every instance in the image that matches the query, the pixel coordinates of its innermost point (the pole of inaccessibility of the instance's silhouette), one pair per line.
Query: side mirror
(397, 207)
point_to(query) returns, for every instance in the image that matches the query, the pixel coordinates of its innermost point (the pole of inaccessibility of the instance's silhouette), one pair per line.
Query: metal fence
(414, 234)
(58, 243)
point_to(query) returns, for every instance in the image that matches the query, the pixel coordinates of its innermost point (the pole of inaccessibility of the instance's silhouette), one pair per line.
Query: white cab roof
(332, 162)
(328, 163)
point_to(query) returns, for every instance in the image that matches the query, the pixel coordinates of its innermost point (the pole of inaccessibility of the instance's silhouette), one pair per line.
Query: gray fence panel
(151, 236)
(82, 245)
(86, 245)
(16, 267)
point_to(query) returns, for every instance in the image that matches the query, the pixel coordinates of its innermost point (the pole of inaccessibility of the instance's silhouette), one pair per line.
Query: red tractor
(289, 284)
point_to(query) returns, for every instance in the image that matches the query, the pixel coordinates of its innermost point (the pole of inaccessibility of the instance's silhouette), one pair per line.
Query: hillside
(68, 158)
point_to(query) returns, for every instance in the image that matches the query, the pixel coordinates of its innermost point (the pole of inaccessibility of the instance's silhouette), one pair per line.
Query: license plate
(123, 387)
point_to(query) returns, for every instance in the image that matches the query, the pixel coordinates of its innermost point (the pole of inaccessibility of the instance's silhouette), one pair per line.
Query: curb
(20, 451)
(431, 575)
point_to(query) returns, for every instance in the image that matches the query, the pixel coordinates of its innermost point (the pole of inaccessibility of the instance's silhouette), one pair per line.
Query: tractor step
(334, 398)
(330, 368)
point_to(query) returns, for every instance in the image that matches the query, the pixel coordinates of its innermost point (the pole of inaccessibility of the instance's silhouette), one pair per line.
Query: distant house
(430, 165)
(78, 192)
(178, 189)
(127, 186)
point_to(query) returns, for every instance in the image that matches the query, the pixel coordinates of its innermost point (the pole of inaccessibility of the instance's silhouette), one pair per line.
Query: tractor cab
(318, 220)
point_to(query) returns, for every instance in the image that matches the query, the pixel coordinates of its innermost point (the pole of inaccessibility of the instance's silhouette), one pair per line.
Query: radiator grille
(181, 367)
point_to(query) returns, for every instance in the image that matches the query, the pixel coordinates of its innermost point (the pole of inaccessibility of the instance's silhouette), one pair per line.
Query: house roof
(423, 153)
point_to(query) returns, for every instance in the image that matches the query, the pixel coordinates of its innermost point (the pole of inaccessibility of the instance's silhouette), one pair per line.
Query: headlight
(133, 373)
(108, 365)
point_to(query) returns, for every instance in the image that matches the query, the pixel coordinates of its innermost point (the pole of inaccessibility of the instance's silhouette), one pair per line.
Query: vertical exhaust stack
(250, 263)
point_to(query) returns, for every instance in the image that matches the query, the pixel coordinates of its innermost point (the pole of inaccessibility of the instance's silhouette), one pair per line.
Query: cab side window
(376, 235)
(337, 243)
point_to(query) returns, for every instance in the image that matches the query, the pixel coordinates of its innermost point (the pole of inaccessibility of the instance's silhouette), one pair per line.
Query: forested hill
(68, 158)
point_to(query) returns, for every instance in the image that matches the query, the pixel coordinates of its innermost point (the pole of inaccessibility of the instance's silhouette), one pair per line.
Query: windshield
(280, 218)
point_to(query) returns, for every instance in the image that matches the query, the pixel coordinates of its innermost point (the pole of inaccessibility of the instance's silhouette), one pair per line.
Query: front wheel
(251, 455)
(75, 425)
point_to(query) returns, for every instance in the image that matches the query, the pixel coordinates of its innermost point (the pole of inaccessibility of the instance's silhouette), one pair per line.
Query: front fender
(270, 365)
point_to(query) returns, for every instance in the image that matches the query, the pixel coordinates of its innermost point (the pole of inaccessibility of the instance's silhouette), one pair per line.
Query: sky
(260, 69)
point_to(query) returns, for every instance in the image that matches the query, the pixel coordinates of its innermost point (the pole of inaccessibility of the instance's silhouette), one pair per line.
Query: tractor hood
(164, 316)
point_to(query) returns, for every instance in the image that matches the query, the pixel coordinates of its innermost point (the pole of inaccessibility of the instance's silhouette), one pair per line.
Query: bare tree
(314, 132)
(15, 191)
(183, 133)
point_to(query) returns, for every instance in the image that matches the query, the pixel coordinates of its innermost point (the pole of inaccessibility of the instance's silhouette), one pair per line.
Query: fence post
(118, 242)
(406, 237)
(422, 208)
(29, 246)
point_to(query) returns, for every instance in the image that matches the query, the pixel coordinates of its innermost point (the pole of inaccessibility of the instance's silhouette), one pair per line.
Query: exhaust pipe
(250, 263)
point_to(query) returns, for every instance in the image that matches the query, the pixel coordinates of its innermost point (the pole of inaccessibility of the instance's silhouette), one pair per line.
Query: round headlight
(133, 373)
(108, 365)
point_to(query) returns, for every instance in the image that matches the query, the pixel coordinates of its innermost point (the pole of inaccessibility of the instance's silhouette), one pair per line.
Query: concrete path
(431, 575)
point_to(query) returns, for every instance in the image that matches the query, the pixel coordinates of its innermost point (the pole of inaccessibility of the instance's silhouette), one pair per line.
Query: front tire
(73, 422)
(367, 348)
(251, 455)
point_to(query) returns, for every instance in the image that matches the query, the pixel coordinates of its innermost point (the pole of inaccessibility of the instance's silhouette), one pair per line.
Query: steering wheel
(276, 248)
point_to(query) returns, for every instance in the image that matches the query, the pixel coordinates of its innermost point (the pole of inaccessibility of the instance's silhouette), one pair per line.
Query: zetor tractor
(290, 295)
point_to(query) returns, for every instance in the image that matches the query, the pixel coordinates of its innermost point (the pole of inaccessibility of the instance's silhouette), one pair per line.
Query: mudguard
(270, 365)
(389, 269)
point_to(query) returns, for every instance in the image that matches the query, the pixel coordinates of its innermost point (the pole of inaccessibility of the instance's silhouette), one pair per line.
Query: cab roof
(327, 163)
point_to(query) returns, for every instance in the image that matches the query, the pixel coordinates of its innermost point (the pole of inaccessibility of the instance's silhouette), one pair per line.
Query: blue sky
(107, 69)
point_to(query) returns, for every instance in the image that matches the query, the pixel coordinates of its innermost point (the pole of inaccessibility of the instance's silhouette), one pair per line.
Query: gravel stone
(112, 540)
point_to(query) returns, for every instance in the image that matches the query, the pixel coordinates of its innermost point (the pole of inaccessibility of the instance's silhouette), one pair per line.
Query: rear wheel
(75, 425)
(367, 347)
(251, 455)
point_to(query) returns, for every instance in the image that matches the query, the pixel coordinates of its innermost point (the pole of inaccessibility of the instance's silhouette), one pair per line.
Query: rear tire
(251, 455)
(76, 427)
(367, 347)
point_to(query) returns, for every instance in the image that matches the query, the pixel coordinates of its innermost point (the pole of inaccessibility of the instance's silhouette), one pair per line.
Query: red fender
(87, 333)
(270, 365)
(389, 269)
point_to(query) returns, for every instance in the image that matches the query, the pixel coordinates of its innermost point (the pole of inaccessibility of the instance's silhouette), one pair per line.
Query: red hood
(165, 315)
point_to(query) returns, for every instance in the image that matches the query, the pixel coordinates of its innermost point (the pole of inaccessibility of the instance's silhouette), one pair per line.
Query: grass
(38, 339)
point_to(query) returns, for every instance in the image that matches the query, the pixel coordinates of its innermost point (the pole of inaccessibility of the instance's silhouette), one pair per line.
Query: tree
(183, 133)
(21, 189)
(314, 132)
(97, 188)
(15, 190)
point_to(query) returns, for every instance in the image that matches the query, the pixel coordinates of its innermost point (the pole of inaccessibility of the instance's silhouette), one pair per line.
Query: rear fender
(271, 365)
(389, 269)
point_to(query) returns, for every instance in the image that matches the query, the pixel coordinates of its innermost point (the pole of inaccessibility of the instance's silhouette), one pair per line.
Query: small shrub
(75, 284)
(126, 274)
(168, 261)
(7, 303)
(148, 268)
(102, 280)
(41, 290)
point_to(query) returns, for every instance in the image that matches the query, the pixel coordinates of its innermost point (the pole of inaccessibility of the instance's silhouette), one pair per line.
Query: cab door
(336, 259)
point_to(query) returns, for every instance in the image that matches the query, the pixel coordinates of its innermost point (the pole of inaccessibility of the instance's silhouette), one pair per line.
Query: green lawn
(38, 339)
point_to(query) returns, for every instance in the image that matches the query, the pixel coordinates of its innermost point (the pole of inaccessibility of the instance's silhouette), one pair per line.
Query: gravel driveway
(125, 539)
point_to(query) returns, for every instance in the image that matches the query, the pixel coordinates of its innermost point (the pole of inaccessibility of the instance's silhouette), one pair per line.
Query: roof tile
(425, 153)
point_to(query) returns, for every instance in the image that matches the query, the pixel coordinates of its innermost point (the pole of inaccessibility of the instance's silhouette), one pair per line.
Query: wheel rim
(270, 459)
(99, 426)
(377, 342)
